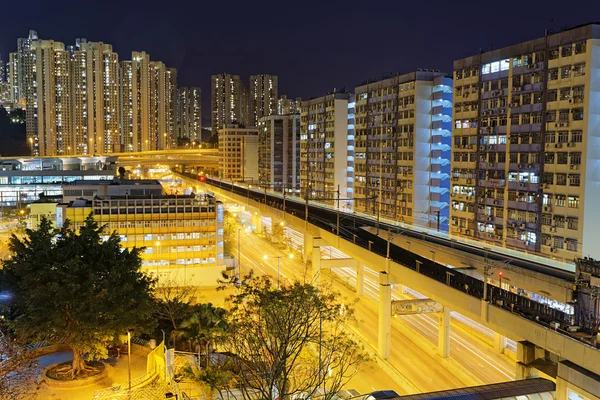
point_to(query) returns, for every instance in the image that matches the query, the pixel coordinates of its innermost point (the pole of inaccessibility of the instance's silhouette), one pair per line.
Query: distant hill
(12, 134)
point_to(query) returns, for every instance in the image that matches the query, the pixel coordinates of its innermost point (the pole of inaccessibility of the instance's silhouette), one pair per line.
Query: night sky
(312, 47)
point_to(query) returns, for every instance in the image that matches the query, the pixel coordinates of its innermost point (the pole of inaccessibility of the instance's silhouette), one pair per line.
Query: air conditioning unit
(575, 166)
(558, 145)
(547, 208)
(521, 166)
(468, 232)
(571, 144)
(552, 250)
(522, 185)
(552, 229)
(491, 165)
(490, 219)
(523, 226)
(469, 181)
(513, 224)
(481, 148)
(529, 165)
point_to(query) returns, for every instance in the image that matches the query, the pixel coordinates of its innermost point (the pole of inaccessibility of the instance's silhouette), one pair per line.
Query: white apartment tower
(402, 148)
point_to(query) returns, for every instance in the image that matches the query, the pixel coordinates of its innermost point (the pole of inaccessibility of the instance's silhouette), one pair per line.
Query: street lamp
(129, 332)
(266, 257)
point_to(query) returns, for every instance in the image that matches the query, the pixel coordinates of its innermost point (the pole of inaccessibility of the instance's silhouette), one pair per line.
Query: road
(419, 364)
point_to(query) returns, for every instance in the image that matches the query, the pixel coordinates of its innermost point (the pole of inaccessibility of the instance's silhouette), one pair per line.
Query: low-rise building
(182, 236)
(24, 180)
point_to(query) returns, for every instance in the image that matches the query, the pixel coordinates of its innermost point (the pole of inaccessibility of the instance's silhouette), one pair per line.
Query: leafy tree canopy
(74, 287)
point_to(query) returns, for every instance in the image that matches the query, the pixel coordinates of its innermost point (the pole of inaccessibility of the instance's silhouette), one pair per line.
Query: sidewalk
(119, 375)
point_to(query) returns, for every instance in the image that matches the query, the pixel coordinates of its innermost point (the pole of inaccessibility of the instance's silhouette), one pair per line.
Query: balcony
(524, 167)
(493, 183)
(491, 166)
(519, 205)
(523, 186)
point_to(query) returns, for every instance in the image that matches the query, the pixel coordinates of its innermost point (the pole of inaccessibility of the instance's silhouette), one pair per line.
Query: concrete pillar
(316, 266)
(524, 371)
(499, 342)
(360, 279)
(257, 222)
(384, 337)
(308, 247)
(444, 333)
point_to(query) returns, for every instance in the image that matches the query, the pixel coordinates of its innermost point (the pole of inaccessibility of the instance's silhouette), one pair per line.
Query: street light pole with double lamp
(265, 257)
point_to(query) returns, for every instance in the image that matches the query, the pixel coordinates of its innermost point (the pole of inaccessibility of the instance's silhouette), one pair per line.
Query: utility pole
(486, 268)
(338, 211)
(239, 257)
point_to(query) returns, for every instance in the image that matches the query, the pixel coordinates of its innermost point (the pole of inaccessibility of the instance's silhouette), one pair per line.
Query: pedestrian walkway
(119, 375)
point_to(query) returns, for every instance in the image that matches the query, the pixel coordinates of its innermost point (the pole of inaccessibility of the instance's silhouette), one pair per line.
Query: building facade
(263, 97)
(288, 106)
(25, 180)
(95, 97)
(148, 98)
(327, 148)
(48, 120)
(524, 156)
(182, 236)
(228, 101)
(238, 153)
(402, 148)
(279, 151)
(189, 113)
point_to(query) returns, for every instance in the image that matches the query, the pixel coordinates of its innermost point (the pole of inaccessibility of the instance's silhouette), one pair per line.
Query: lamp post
(239, 269)
(266, 257)
(129, 332)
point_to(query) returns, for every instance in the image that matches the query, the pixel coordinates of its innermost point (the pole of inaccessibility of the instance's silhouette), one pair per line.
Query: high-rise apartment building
(279, 151)
(525, 129)
(21, 69)
(402, 148)
(228, 101)
(12, 77)
(327, 148)
(238, 153)
(189, 113)
(49, 99)
(95, 97)
(288, 106)
(148, 103)
(263, 96)
(171, 107)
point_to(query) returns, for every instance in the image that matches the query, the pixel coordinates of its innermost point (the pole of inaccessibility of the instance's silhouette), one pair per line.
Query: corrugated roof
(489, 392)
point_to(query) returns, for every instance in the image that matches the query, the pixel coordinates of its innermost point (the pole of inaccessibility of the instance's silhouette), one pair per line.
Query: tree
(17, 365)
(290, 341)
(205, 327)
(122, 172)
(77, 288)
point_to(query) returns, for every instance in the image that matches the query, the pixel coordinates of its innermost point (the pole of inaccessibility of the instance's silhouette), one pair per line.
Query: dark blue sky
(313, 46)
